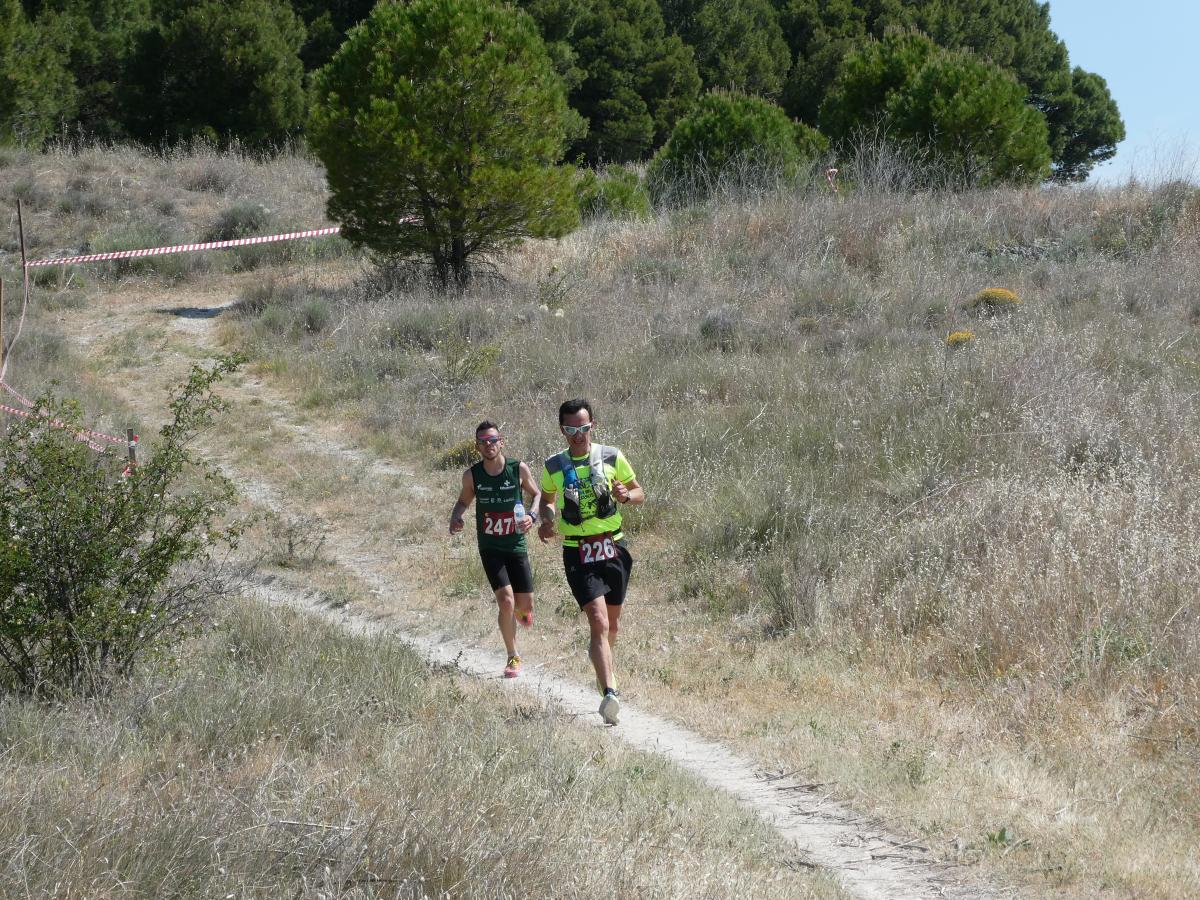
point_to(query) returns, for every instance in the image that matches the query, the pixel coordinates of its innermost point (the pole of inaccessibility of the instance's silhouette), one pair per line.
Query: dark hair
(573, 406)
(486, 425)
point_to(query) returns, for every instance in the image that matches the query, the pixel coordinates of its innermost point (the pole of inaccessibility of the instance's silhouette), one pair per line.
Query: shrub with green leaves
(100, 570)
(730, 133)
(616, 193)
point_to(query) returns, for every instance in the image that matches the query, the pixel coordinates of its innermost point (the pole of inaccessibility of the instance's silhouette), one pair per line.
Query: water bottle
(571, 512)
(518, 515)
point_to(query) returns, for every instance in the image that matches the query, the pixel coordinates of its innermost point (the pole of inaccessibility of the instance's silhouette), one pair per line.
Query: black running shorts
(504, 569)
(607, 578)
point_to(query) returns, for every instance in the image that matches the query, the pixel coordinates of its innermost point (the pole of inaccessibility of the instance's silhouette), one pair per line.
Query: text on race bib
(597, 549)
(499, 524)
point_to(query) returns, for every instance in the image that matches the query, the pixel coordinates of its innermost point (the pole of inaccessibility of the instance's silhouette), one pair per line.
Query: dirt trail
(387, 556)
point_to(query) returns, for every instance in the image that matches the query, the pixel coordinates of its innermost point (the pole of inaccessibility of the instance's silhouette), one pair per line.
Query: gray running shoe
(610, 707)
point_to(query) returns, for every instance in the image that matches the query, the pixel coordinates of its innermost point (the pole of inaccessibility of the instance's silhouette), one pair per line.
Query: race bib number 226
(597, 549)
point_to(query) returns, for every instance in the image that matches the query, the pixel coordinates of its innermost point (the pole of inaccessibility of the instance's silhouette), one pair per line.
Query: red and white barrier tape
(83, 434)
(24, 401)
(184, 248)
(79, 435)
(90, 437)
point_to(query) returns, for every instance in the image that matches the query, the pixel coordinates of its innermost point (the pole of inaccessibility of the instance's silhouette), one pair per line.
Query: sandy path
(869, 862)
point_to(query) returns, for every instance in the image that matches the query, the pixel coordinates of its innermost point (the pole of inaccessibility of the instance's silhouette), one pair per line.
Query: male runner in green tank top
(584, 486)
(495, 485)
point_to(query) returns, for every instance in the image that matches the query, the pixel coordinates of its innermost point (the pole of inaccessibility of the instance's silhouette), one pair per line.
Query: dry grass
(102, 199)
(1010, 526)
(957, 585)
(285, 758)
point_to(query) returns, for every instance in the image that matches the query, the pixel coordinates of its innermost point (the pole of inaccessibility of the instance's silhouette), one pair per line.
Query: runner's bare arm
(546, 516)
(629, 492)
(464, 500)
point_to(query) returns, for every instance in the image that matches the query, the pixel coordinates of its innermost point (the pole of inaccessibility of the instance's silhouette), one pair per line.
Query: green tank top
(495, 497)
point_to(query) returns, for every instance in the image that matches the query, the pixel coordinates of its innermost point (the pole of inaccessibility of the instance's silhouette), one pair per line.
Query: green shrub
(243, 220)
(616, 193)
(721, 328)
(315, 315)
(97, 570)
(730, 134)
(143, 234)
(239, 221)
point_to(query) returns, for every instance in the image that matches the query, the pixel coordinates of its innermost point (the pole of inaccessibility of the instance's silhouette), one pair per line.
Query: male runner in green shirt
(584, 485)
(495, 484)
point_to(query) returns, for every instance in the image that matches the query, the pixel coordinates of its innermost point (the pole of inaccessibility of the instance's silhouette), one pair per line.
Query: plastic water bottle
(518, 514)
(570, 477)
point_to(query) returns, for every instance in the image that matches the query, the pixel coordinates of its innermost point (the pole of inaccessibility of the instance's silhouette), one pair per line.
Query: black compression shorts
(504, 569)
(607, 578)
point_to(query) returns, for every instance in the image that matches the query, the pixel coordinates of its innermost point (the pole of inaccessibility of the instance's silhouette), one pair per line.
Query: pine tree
(628, 78)
(441, 124)
(971, 112)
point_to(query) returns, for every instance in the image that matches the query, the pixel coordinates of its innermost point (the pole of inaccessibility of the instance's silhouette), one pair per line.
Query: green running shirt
(495, 497)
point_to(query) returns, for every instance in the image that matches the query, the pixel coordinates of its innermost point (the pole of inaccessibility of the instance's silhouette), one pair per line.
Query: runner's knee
(597, 616)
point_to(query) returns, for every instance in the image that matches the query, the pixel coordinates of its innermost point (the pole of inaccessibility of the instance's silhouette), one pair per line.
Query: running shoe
(610, 707)
(513, 669)
(526, 618)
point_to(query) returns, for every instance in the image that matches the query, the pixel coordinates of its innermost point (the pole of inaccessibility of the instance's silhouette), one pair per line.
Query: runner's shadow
(193, 312)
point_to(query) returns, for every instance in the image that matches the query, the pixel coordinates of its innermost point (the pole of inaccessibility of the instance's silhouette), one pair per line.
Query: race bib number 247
(499, 524)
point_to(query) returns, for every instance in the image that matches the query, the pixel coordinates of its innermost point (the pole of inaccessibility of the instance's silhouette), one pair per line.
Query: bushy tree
(628, 78)
(12, 17)
(1083, 121)
(819, 34)
(1085, 127)
(728, 130)
(738, 43)
(38, 96)
(98, 570)
(222, 71)
(973, 113)
(327, 23)
(98, 38)
(441, 124)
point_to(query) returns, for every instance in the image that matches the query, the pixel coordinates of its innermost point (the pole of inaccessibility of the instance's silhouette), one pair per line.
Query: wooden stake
(132, 439)
(21, 234)
(1, 321)
(24, 262)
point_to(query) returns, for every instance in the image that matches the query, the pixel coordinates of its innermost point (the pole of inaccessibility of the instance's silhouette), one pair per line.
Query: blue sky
(1148, 53)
